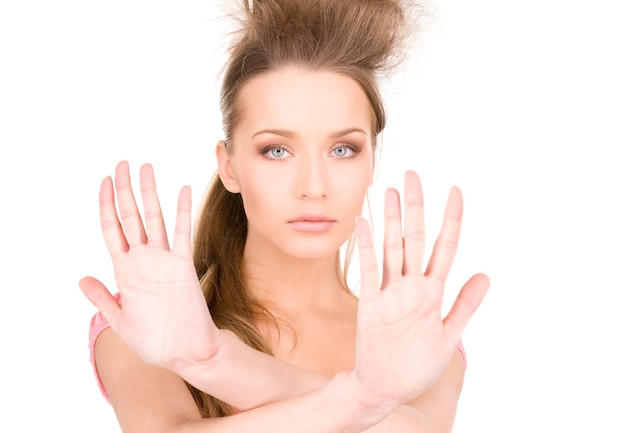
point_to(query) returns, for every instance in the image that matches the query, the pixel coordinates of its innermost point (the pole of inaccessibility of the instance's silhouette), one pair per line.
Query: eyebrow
(291, 134)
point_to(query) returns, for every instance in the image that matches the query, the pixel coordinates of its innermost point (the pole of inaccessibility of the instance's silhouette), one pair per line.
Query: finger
(181, 244)
(129, 214)
(448, 240)
(414, 232)
(370, 283)
(466, 303)
(392, 245)
(102, 299)
(109, 221)
(155, 226)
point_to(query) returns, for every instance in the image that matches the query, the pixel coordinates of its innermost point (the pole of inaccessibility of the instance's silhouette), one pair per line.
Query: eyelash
(266, 150)
(354, 149)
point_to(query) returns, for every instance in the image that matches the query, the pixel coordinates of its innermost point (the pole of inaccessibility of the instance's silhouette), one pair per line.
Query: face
(302, 159)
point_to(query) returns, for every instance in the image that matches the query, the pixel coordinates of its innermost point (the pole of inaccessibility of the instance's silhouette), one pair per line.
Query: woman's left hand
(404, 343)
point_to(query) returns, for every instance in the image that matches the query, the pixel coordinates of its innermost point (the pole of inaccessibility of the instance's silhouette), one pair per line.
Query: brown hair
(357, 38)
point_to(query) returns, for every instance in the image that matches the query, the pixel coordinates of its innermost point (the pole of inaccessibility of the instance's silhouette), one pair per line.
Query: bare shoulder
(144, 397)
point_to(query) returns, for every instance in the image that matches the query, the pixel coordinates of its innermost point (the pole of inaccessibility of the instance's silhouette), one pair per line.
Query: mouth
(313, 218)
(312, 223)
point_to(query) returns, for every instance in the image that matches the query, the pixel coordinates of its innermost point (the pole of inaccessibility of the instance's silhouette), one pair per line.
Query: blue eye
(276, 152)
(344, 151)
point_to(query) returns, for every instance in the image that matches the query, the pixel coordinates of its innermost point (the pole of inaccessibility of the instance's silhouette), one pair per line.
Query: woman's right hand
(162, 314)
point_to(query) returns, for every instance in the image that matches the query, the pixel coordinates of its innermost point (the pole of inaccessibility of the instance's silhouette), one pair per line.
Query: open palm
(404, 343)
(161, 313)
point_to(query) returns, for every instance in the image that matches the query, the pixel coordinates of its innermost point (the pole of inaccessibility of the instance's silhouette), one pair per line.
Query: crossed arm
(147, 398)
(407, 375)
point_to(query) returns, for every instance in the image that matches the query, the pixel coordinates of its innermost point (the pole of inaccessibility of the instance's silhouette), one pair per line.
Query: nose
(312, 178)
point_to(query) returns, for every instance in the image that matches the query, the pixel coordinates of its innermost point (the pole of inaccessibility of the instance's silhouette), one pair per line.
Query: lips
(312, 223)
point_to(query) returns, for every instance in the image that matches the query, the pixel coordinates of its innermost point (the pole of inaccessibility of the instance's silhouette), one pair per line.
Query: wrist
(368, 404)
(201, 368)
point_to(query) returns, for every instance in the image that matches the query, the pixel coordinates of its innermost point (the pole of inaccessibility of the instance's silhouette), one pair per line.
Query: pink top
(99, 324)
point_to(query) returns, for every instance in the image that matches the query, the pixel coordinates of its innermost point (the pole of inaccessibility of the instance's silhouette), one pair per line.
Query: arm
(147, 398)
(164, 306)
(151, 399)
(162, 315)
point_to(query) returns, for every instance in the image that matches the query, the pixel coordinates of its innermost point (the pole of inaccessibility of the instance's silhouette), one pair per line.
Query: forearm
(334, 407)
(247, 378)
(267, 380)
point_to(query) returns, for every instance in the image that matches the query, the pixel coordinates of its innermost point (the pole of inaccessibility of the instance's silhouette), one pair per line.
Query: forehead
(307, 102)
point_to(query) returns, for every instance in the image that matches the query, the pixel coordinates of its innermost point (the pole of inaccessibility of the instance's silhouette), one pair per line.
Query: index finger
(370, 282)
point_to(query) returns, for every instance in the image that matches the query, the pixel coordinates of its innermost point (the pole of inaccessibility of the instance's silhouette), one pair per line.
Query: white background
(521, 104)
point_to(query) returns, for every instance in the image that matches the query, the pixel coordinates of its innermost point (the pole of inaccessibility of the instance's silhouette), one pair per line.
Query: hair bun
(369, 34)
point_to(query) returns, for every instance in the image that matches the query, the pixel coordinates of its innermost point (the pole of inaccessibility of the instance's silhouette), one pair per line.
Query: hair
(361, 39)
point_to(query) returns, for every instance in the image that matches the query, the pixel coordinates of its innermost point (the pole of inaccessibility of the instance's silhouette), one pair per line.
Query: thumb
(467, 302)
(101, 298)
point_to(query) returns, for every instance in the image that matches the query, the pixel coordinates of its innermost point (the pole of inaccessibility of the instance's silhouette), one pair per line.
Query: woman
(284, 345)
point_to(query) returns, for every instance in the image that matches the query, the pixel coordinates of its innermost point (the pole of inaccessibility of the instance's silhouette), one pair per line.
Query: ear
(225, 168)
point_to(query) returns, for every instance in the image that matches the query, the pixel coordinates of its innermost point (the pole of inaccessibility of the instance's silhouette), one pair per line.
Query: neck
(291, 284)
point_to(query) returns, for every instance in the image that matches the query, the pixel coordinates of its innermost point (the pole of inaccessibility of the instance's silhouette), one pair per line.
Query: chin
(318, 249)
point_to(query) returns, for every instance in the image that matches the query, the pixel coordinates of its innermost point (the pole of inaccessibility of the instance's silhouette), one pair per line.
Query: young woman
(254, 328)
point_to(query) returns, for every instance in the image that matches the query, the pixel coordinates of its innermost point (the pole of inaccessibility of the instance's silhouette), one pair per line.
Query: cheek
(252, 198)
(353, 192)
(260, 191)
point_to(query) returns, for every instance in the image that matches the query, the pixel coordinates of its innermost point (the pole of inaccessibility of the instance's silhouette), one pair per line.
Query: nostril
(312, 178)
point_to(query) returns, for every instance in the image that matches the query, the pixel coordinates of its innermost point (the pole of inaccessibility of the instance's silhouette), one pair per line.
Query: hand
(403, 342)
(162, 314)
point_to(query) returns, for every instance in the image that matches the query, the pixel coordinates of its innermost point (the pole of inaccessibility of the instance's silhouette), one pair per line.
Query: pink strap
(462, 350)
(98, 324)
